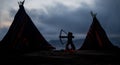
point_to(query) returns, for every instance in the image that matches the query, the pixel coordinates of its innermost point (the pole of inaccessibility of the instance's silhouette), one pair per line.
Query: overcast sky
(50, 16)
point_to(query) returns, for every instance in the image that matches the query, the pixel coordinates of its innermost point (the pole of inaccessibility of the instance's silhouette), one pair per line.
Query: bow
(60, 36)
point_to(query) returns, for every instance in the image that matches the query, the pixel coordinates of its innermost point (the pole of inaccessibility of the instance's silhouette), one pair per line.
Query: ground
(83, 57)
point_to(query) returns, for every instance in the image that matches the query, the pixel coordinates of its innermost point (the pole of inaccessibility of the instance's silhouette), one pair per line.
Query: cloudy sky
(50, 16)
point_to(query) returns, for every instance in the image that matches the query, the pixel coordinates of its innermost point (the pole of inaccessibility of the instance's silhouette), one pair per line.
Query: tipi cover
(96, 38)
(23, 35)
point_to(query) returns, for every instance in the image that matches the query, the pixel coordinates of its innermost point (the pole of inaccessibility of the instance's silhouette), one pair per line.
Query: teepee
(96, 38)
(23, 34)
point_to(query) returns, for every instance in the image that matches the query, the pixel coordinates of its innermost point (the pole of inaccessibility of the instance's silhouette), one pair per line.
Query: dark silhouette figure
(69, 41)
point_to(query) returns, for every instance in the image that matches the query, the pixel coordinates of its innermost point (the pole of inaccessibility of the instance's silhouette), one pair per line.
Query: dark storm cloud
(60, 17)
(3, 31)
(108, 14)
(78, 21)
